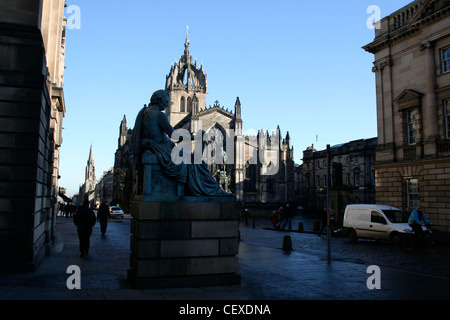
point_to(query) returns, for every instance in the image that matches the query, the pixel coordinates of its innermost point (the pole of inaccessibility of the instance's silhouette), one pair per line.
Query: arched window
(182, 105)
(189, 104)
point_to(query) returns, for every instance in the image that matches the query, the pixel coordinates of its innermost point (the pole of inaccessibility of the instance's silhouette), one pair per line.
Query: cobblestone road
(368, 252)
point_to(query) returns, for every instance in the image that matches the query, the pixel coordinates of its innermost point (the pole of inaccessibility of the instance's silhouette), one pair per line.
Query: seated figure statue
(152, 131)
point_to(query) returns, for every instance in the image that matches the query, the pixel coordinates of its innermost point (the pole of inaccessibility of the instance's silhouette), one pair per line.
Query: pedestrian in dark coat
(324, 217)
(84, 218)
(103, 216)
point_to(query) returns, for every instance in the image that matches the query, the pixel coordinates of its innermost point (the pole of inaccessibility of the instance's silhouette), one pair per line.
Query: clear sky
(293, 63)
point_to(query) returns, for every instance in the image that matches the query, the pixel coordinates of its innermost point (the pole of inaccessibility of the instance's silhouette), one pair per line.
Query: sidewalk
(268, 273)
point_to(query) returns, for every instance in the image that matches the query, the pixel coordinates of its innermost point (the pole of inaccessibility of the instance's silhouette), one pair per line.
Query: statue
(151, 132)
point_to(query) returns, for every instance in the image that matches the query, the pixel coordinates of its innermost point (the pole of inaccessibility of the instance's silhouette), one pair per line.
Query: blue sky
(293, 63)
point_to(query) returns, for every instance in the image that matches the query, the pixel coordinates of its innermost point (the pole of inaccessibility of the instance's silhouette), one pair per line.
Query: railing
(443, 147)
(409, 153)
(402, 18)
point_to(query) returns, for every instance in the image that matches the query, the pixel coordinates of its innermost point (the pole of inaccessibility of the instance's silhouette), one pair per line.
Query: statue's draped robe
(152, 132)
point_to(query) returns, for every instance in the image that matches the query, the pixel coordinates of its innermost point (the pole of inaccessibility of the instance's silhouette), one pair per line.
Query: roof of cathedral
(186, 75)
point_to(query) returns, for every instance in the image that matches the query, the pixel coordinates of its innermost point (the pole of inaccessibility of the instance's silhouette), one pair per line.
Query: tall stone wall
(26, 157)
(434, 183)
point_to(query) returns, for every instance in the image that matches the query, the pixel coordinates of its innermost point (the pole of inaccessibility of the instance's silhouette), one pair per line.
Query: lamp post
(328, 203)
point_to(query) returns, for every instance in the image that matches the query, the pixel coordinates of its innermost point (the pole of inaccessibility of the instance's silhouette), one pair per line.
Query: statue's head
(161, 99)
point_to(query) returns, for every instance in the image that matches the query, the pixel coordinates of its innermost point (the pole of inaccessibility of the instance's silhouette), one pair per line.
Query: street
(267, 272)
(367, 252)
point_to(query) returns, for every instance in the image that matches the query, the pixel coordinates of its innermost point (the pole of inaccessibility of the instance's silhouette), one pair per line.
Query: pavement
(268, 273)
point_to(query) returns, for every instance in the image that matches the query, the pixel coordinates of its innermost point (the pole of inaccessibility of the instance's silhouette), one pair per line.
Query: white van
(375, 221)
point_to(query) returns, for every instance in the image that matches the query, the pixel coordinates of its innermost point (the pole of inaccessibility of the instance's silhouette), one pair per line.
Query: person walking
(288, 216)
(84, 219)
(324, 221)
(274, 218)
(281, 217)
(103, 216)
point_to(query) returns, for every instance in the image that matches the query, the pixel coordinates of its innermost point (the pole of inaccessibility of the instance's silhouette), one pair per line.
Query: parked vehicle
(375, 221)
(116, 212)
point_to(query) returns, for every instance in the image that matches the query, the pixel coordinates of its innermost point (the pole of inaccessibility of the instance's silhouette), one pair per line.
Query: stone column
(385, 114)
(429, 109)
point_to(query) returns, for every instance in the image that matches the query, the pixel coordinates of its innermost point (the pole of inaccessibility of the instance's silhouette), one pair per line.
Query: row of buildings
(406, 164)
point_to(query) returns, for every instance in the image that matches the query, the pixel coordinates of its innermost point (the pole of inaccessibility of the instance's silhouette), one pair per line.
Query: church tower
(123, 132)
(187, 87)
(90, 180)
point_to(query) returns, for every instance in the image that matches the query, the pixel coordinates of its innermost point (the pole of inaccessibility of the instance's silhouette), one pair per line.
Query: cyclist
(416, 220)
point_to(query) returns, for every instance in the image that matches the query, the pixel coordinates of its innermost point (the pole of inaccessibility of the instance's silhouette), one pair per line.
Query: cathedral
(258, 170)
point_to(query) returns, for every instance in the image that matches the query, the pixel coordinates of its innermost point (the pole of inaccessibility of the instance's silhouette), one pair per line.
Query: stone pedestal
(192, 242)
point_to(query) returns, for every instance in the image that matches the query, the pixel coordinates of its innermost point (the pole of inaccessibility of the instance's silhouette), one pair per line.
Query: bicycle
(430, 240)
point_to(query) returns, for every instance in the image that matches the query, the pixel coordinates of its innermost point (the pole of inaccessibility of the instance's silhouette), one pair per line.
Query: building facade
(104, 188)
(352, 176)
(258, 169)
(412, 71)
(32, 108)
(123, 168)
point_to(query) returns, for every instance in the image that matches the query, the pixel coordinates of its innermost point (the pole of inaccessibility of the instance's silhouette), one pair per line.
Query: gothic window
(445, 59)
(182, 105)
(250, 177)
(412, 125)
(189, 104)
(447, 118)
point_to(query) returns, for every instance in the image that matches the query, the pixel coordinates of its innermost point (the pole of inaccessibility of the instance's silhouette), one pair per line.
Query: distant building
(104, 188)
(245, 170)
(123, 167)
(352, 176)
(87, 189)
(412, 72)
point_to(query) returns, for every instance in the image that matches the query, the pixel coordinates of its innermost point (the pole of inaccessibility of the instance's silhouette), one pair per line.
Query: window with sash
(445, 59)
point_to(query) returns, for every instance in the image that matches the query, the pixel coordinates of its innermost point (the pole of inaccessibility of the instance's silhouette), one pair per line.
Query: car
(375, 221)
(116, 212)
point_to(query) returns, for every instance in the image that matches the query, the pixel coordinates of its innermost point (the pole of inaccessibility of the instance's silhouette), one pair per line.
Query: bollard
(300, 226)
(316, 226)
(287, 243)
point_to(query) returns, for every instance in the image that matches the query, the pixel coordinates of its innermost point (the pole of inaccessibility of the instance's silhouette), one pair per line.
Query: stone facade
(412, 71)
(352, 176)
(123, 168)
(32, 108)
(104, 188)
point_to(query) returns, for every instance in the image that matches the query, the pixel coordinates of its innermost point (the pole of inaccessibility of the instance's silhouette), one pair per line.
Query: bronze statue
(152, 131)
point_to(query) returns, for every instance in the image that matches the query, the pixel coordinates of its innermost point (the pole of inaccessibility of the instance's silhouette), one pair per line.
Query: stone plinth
(192, 242)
